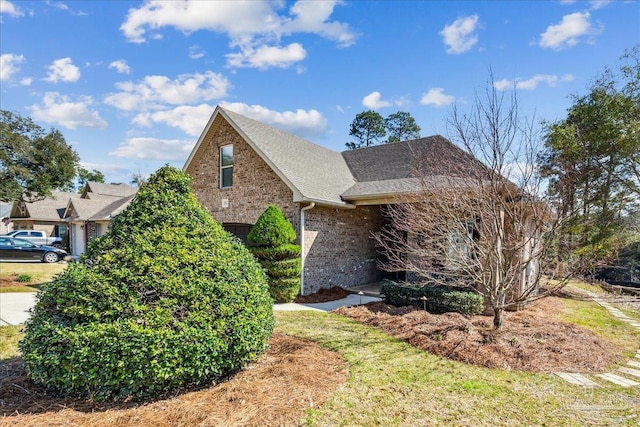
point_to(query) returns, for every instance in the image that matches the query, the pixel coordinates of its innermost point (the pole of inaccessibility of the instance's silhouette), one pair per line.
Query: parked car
(36, 236)
(12, 249)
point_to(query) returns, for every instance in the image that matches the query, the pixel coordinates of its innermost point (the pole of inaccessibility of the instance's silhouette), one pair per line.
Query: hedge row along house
(336, 201)
(75, 217)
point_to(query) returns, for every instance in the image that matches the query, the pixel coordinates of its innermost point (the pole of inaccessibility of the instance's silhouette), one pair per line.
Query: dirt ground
(291, 377)
(530, 340)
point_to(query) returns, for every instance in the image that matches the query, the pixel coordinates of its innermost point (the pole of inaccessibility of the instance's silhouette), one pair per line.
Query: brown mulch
(529, 340)
(5, 282)
(323, 295)
(291, 377)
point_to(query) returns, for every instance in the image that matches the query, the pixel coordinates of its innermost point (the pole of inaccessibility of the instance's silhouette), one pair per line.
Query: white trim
(303, 253)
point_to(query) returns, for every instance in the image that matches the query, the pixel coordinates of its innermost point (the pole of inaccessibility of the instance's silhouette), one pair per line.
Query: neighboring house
(5, 218)
(44, 215)
(335, 200)
(77, 218)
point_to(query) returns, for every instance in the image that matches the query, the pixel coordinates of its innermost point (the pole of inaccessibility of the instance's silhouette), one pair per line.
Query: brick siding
(340, 251)
(255, 184)
(338, 246)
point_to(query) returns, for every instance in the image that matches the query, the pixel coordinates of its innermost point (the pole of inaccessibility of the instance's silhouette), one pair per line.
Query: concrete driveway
(15, 306)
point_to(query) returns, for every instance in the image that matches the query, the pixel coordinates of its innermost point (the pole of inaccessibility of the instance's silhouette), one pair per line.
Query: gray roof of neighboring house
(98, 209)
(318, 174)
(49, 209)
(117, 190)
(5, 209)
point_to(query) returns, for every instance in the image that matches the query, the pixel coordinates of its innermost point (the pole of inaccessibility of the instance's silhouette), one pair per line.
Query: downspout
(303, 253)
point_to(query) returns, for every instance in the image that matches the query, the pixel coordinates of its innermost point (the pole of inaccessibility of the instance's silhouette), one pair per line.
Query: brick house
(334, 200)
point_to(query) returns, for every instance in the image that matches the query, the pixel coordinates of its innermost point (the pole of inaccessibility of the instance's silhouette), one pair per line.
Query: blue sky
(131, 85)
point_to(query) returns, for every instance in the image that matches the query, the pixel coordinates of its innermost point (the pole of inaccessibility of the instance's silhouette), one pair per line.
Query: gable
(313, 173)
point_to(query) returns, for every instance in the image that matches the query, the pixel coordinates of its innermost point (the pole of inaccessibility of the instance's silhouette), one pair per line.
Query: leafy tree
(592, 161)
(272, 239)
(32, 162)
(85, 176)
(138, 178)
(165, 300)
(401, 126)
(367, 128)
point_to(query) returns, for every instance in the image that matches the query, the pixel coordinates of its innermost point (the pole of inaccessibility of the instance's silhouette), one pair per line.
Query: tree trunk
(497, 318)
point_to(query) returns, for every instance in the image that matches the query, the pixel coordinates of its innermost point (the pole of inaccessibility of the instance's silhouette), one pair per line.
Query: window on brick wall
(226, 166)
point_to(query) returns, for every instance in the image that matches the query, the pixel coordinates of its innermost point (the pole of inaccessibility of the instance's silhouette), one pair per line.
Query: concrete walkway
(352, 299)
(15, 306)
(625, 376)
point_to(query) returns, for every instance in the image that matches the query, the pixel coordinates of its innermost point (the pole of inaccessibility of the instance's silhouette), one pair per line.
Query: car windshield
(23, 243)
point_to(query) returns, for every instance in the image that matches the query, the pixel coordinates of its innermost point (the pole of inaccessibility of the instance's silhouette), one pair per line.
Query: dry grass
(292, 377)
(40, 272)
(530, 340)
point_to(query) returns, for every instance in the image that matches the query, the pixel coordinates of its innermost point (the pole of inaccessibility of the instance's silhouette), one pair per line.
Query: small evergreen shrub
(271, 243)
(272, 229)
(439, 299)
(165, 300)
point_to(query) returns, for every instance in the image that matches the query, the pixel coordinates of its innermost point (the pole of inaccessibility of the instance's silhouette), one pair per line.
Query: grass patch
(394, 384)
(39, 273)
(9, 337)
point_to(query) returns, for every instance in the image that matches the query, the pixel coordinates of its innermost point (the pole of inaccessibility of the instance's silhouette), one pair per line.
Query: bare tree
(480, 223)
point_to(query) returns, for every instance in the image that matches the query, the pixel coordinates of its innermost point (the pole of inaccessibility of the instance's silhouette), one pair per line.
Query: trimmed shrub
(165, 300)
(272, 229)
(439, 299)
(271, 238)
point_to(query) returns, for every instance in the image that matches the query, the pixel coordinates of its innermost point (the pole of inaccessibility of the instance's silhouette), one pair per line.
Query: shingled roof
(115, 190)
(318, 174)
(49, 209)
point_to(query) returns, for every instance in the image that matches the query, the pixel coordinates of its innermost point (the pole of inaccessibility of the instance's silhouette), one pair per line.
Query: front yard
(385, 382)
(38, 272)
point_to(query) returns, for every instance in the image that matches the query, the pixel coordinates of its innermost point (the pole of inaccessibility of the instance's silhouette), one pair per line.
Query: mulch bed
(291, 377)
(323, 295)
(530, 340)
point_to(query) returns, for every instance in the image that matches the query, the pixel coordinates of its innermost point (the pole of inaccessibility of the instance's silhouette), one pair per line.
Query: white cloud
(9, 65)
(255, 27)
(304, 123)
(436, 96)
(265, 57)
(532, 83)
(189, 119)
(60, 109)
(568, 32)
(26, 81)
(154, 149)
(120, 66)
(374, 101)
(460, 36)
(196, 52)
(155, 92)
(63, 70)
(8, 8)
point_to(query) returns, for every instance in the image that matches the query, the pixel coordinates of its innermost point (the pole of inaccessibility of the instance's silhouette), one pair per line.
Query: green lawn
(39, 272)
(394, 384)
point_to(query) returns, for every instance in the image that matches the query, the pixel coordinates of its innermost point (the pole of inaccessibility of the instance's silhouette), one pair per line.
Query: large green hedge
(271, 243)
(166, 299)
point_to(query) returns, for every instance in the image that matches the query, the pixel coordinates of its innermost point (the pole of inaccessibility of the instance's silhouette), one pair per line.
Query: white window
(226, 166)
(461, 244)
